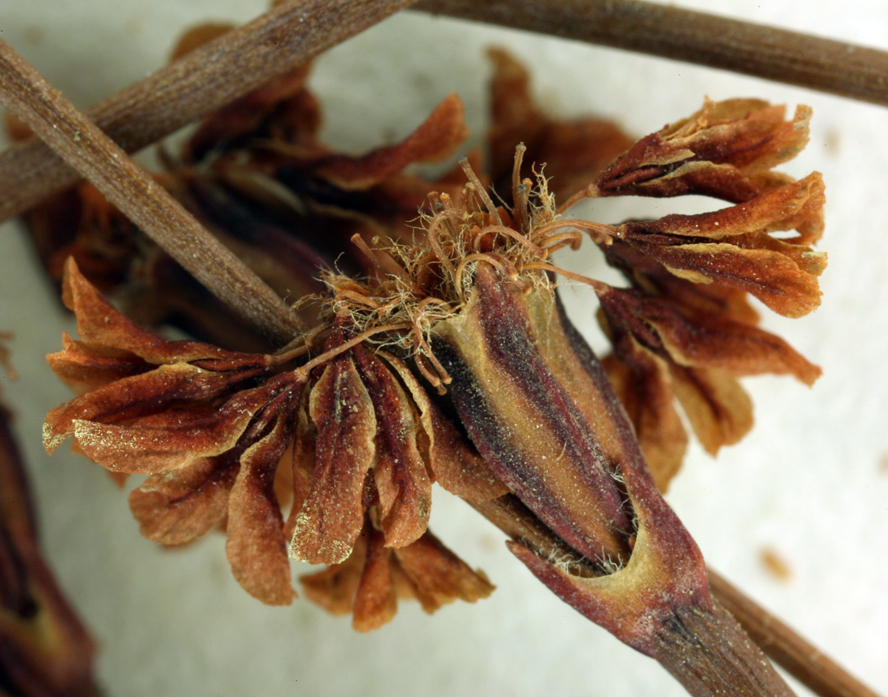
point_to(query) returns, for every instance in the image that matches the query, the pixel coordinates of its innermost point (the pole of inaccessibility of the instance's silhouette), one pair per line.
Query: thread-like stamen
(558, 240)
(599, 232)
(480, 190)
(381, 260)
(303, 370)
(434, 239)
(298, 347)
(392, 304)
(359, 298)
(446, 201)
(433, 379)
(434, 301)
(457, 278)
(426, 352)
(503, 230)
(590, 191)
(520, 191)
(420, 335)
(599, 287)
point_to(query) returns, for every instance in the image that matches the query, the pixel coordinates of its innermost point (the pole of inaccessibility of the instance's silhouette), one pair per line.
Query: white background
(809, 483)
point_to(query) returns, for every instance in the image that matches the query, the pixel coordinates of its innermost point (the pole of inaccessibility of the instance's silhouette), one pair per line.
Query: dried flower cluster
(427, 346)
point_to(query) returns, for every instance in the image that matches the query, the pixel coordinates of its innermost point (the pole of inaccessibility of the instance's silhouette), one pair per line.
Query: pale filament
(598, 286)
(599, 232)
(303, 370)
(503, 230)
(380, 259)
(479, 190)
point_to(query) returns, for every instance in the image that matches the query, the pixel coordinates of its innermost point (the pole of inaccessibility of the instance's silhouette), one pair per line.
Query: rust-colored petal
(576, 151)
(704, 339)
(773, 278)
(726, 150)
(82, 367)
(435, 139)
(376, 600)
(333, 514)
(372, 579)
(452, 459)
(170, 440)
(742, 349)
(653, 278)
(454, 462)
(796, 205)
(133, 397)
(437, 576)
(403, 485)
(255, 545)
(334, 588)
(174, 508)
(719, 409)
(99, 323)
(302, 464)
(733, 248)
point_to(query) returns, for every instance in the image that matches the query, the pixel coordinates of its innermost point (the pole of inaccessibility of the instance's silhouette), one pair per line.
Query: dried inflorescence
(238, 437)
(686, 326)
(444, 355)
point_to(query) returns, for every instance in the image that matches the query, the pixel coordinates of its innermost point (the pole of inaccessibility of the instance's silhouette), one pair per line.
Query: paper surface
(809, 484)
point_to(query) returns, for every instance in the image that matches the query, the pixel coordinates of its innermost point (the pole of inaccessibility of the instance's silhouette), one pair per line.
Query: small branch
(779, 642)
(194, 86)
(694, 37)
(89, 151)
(707, 651)
(799, 658)
(688, 633)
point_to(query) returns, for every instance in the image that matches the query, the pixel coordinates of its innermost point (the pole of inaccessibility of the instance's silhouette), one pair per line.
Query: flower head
(234, 437)
(450, 359)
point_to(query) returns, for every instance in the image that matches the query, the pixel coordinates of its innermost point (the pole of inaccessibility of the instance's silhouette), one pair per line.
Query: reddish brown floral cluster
(235, 438)
(326, 451)
(685, 328)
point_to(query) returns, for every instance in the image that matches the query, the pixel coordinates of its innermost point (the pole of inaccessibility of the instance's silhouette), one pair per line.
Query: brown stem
(85, 148)
(805, 662)
(693, 37)
(707, 651)
(688, 633)
(197, 84)
(779, 642)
